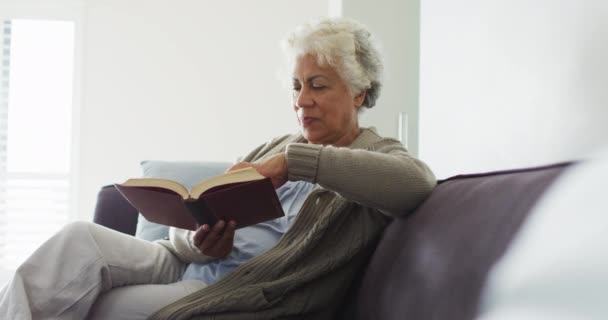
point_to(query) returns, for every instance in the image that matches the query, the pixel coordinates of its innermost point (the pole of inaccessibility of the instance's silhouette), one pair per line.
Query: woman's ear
(359, 99)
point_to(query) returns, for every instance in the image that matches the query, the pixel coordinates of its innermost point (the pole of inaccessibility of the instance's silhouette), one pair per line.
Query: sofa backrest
(433, 264)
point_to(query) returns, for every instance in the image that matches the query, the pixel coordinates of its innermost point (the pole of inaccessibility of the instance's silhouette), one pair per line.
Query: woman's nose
(304, 98)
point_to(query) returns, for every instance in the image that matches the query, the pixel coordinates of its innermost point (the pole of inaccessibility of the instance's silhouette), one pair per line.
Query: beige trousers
(65, 277)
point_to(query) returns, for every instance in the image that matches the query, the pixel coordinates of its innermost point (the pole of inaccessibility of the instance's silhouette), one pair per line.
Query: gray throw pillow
(184, 172)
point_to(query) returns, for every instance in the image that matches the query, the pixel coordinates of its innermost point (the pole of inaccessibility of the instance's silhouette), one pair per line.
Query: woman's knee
(75, 230)
(76, 227)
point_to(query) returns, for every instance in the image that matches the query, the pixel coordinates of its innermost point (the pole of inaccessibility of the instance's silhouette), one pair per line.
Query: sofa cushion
(433, 264)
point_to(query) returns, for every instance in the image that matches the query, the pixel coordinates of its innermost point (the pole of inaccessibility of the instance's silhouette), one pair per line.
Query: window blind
(5, 41)
(35, 107)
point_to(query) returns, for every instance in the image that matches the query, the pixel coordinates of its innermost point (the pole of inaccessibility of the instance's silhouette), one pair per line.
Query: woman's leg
(63, 278)
(140, 301)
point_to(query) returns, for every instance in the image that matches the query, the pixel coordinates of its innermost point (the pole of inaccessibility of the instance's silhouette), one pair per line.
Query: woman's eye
(295, 91)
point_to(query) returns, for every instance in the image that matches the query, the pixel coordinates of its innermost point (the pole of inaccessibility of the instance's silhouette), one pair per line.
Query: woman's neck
(343, 141)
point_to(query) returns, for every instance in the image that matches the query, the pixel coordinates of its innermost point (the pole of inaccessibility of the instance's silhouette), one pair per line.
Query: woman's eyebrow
(311, 78)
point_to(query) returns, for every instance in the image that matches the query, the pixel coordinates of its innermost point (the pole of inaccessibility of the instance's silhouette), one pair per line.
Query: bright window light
(35, 134)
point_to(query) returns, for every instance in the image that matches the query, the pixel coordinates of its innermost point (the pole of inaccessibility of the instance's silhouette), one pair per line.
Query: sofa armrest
(114, 211)
(433, 263)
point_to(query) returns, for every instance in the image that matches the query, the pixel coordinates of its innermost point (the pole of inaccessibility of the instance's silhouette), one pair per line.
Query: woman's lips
(307, 121)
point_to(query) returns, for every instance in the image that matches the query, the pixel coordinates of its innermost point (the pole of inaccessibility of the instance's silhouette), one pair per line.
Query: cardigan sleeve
(180, 243)
(386, 178)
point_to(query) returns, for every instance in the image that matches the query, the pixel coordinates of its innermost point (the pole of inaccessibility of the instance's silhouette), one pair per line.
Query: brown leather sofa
(432, 263)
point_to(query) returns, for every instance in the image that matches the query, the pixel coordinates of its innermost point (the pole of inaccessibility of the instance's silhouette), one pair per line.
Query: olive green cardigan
(308, 272)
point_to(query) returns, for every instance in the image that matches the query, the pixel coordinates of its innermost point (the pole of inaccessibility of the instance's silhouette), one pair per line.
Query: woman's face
(326, 110)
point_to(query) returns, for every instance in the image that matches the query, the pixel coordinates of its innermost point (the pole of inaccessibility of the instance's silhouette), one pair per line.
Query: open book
(243, 195)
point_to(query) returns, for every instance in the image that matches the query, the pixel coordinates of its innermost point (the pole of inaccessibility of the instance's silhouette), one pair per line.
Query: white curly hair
(345, 45)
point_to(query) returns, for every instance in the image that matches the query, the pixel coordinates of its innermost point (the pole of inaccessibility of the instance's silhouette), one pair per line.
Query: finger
(213, 236)
(239, 165)
(200, 234)
(225, 243)
(260, 168)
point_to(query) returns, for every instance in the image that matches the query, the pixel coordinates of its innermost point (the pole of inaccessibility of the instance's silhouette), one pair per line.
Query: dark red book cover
(247, 203)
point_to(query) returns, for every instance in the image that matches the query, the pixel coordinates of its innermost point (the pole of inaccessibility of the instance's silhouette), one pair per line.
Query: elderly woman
(338, 183)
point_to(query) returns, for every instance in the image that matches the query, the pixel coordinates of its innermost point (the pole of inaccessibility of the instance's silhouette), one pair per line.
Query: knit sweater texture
(307, 274)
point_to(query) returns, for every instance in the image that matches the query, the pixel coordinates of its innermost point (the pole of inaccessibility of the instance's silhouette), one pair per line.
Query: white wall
(509, 83)
(174, 79)
(395, 23)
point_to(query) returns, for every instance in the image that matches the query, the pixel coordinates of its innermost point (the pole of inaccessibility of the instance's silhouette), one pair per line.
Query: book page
(158, 183)
(241, 175)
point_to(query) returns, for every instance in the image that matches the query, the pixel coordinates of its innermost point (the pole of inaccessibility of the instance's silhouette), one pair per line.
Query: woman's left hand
(274, 167)
(216, 241)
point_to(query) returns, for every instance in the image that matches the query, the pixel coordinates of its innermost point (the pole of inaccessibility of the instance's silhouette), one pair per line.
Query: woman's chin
(311, 136)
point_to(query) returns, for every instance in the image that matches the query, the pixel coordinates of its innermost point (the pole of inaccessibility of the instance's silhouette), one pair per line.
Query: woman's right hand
(216, 241)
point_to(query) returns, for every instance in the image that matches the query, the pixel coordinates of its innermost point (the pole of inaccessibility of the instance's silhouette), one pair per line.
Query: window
(36, 93)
